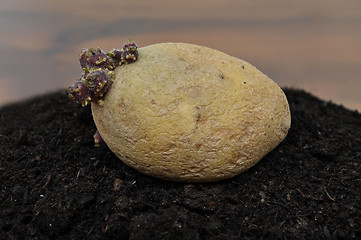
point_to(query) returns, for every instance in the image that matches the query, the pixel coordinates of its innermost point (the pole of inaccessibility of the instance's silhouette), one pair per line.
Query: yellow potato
(184, 112)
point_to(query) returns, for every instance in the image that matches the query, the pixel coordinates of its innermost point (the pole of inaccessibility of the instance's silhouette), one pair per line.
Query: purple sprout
(129, 56)
(97, 139)
(116, 55)
(130, 45)
(130, 52)
(80, 93)
(98, 76)
(95, 58)
(98, 81)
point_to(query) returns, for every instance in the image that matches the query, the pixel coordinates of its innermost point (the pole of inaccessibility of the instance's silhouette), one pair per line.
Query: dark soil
(56, 185)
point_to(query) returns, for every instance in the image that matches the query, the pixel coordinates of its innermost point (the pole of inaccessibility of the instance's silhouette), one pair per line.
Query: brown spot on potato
(197, 146)
(121, 105)
(198, 114)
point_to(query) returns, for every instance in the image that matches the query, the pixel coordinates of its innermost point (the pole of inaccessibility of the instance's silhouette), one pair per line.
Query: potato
(188, 113)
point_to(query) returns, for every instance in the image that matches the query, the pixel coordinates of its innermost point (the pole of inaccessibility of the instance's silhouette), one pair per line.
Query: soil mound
(55, 184)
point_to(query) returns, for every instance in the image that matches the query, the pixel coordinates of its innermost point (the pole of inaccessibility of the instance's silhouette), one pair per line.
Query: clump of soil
(56, 184)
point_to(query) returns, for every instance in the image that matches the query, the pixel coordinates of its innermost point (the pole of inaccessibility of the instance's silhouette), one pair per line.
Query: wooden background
(312, 45)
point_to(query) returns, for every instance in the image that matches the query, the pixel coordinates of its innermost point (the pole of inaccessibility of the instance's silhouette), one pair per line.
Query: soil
(56, 185)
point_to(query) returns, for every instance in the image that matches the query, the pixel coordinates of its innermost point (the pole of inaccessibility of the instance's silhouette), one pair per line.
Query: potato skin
(188, 113)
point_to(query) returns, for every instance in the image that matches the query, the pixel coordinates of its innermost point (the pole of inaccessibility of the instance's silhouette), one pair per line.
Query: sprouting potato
(188, 113)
